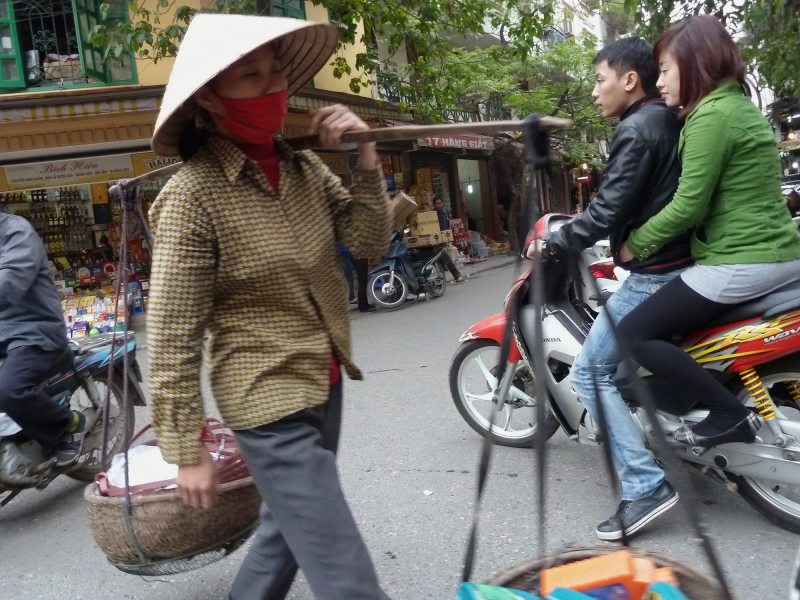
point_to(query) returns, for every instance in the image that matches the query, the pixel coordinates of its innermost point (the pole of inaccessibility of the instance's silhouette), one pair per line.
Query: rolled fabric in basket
(145, 465)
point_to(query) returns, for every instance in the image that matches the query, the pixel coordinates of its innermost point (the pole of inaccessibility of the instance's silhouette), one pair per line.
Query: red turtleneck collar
(267, 158)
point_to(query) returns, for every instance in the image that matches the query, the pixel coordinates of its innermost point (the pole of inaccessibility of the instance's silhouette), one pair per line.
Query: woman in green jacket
(745, 243)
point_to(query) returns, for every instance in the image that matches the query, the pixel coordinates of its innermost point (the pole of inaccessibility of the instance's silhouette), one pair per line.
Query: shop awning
(77, 109)
(301, 102)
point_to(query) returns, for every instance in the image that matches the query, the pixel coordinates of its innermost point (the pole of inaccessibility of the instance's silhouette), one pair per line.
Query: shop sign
(146, 162)
(470, 142)
(583, 179)
(68, 172)
(337, 163)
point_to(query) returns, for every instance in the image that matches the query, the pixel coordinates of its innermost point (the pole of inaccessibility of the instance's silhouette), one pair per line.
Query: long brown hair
(706, 54)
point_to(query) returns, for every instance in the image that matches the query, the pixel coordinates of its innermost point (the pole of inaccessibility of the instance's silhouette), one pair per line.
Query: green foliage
(768, 32)
(558, 81)
(518, 71)
(618, 22)
(554, 79)
(426, 26)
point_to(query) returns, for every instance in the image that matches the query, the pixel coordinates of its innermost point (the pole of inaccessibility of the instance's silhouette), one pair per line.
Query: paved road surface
(402, 437)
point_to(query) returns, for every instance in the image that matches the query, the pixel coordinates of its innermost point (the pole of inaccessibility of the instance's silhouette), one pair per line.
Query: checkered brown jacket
(261, 272)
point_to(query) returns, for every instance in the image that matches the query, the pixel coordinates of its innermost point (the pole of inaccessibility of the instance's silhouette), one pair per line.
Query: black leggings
(676, 309)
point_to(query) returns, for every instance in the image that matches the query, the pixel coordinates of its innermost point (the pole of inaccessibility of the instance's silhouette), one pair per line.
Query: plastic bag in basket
(148, 473)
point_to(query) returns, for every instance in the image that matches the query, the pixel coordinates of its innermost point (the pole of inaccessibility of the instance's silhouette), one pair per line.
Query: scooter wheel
(472, 384)
(386, 292)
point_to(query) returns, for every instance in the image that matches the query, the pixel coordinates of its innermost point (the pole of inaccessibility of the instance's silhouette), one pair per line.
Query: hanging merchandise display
(68, 204)
(79, 226)
(430, 183)
(389, 174)
(431, 177)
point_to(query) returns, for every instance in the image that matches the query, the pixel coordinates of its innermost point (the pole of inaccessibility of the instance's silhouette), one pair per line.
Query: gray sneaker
(635, 514)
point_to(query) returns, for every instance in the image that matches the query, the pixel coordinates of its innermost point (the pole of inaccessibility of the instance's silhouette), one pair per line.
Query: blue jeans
(598, 361)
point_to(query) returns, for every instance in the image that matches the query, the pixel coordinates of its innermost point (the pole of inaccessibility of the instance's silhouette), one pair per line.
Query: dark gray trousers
(305, 520)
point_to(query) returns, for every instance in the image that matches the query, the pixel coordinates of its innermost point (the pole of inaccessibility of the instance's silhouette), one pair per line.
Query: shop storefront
(457, 170)
(68, 204)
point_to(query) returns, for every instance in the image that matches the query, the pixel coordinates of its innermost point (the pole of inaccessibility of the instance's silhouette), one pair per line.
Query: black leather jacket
(641, 178)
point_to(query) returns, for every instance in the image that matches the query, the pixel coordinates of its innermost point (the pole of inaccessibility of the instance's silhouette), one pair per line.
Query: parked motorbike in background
(406, 271)
(754, 350)
(80, 380)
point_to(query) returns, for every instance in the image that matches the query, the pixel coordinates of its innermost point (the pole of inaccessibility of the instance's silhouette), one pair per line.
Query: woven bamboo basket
(695, 584)
(167, 530)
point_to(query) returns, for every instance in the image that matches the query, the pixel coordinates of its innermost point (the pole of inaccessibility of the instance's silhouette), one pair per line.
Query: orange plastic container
(635, 574)
(666, 575)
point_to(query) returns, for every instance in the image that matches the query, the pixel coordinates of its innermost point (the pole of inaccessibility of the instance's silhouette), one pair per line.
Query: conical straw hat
(214, 42)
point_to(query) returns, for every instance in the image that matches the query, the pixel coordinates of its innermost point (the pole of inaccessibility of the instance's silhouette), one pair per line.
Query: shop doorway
(469, 178)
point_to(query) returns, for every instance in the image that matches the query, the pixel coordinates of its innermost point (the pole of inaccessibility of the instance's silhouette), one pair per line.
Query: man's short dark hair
(631, 54)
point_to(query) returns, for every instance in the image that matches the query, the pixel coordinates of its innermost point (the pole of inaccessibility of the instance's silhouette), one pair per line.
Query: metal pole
(385, 134)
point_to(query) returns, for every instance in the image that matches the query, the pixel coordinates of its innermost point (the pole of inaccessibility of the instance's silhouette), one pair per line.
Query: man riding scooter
(33, 340)
(641, 178)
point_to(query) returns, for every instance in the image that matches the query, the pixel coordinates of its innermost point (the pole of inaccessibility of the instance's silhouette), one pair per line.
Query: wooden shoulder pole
(386, 134)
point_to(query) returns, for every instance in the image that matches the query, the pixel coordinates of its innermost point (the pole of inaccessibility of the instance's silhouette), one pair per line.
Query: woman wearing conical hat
(246, 240)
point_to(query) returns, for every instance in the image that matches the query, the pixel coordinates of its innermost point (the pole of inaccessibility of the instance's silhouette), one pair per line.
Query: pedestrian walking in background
(347, 267)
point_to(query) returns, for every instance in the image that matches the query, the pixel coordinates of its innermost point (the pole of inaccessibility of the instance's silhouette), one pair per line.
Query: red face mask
(256, 120)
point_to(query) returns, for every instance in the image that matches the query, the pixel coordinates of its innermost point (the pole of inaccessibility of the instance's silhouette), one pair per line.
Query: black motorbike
(407, 271)
(80, 380)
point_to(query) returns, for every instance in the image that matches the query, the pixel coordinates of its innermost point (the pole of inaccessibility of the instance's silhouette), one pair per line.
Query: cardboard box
(424, 223)
(429, 239)
(427, 229)
(447, 235)
(418, 241)
(428, 217)
(403, 206)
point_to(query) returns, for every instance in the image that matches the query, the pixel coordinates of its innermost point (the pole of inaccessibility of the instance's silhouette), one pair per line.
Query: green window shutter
(121, 70)
(87, 15)
(11, 73)
(295, 9)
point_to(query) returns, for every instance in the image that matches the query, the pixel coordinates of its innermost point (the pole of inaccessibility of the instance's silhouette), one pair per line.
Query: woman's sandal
(745, 431)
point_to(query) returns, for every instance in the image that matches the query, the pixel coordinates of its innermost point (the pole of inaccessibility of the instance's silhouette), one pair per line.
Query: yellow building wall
(325, 79)
(157, 73)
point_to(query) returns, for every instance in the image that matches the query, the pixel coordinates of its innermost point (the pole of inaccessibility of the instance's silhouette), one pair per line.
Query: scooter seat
(773, 304)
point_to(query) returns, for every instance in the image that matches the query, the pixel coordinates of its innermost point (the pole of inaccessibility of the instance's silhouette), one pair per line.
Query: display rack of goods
(92, 314)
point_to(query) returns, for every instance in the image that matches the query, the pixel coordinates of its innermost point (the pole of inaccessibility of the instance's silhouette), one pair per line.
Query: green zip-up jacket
(729, 188)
